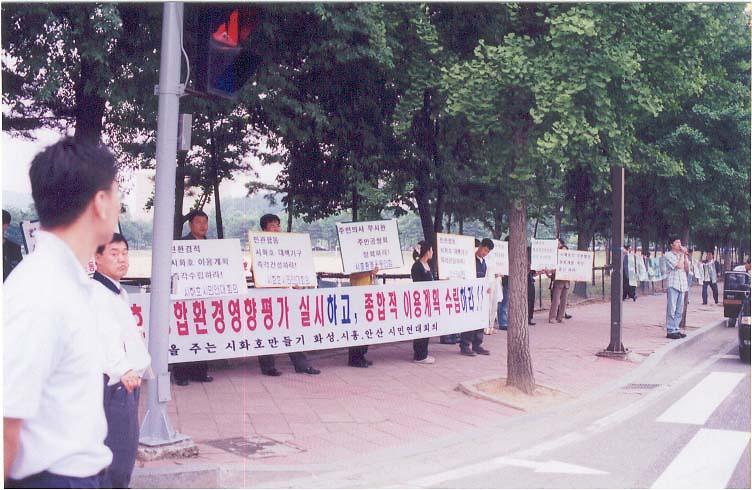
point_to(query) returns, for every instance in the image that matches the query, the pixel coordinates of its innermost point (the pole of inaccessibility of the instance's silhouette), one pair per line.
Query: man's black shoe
(271, 372)
(308, 370)
(674, 335)
(567, 316)
(203, 379)
(361, 363)
(467, 352)
(181, 382)
(530, 322)
(482, 351)
(682, 334)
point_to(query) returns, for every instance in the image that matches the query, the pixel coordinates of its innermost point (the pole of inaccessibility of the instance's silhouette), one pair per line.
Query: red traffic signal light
(223, 54)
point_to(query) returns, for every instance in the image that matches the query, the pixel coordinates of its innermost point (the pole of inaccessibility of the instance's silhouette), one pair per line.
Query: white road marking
(707, 461)
(696, 406)
(496, 463)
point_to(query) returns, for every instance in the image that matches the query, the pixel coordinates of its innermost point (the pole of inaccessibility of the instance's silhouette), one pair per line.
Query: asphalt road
(695, 435)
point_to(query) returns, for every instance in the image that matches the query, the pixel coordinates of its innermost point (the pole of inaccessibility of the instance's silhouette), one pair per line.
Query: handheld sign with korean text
(28, 232)
(368, 244)
(206, 269)
(574, 265)
(281, 259)
(456, 254)
(543, 254)
(498, 259)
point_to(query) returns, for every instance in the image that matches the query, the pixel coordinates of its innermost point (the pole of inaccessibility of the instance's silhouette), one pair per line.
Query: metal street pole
(615, 347)
(156, 429)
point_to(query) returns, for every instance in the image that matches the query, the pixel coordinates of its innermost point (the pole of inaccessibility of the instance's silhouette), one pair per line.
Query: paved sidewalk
(347, 411)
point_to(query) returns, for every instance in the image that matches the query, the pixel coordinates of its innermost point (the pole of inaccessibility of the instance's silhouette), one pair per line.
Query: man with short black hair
(185, 372)
(53, 419)
(470, 341)
(271, 223)
(11, 250)
(677, 265)
(126, 359)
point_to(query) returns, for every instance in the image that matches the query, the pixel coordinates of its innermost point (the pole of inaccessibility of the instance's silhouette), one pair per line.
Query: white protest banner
(498, 259)
(543, 254)
(281, 259)
(274, 321)
(574, 265)
(28, 231)
(206, 268)
(456, 256)
(654, 269)
(364, 245)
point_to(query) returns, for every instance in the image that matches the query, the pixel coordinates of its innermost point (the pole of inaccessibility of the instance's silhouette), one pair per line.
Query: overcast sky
(18, 153)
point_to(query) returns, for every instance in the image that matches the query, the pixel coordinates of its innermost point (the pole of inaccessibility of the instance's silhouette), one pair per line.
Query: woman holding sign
(421, 271)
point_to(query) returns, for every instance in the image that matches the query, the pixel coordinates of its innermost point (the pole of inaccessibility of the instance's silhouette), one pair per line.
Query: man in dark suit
(184, 372)
(11, 250)
(271, 223)
(470, 341)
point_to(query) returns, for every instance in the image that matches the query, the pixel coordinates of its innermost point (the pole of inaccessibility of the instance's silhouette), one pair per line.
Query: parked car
(735, 289)
(744, 329)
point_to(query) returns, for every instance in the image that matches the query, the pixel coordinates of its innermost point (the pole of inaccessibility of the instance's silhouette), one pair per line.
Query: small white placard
(574, 265)
(364, 245)
(207, 269)
(498, 259)
(29, 230)
(456, 255)
(281, 259)
(543, 254)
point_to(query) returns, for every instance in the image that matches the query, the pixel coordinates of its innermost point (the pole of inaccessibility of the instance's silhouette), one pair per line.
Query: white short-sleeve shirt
(53, 365)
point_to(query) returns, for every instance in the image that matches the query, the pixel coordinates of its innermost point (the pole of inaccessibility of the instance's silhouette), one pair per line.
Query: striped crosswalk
(708, 460)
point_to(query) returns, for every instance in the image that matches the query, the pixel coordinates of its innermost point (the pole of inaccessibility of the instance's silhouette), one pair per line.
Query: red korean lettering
(407, 304)
(417, 311)
(427, 302)
(266, 313)
(180, 312)
(380, 306)
(284, 314)
(136, 312)
(233, 306)
(305, 311)
(249, 305)
(436, 301)
(368, 297)
(218, 315)
(199, 316)
(319, 314)
(393, 303)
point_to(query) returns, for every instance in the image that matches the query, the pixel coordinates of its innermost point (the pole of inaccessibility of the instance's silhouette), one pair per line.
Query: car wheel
(744, 354)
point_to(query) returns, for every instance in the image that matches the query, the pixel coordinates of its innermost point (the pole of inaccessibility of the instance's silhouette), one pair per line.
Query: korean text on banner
(272, 321)
(456, 255)
(368, 244)
(574, 265)
(28, 231)
(207, 269)
(281, 259)
(498, 259)
(543, 254)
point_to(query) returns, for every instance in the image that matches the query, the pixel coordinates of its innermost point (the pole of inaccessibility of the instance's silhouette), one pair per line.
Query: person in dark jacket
(470, 341)
(421, 271)
(11, 250)
(184, 372)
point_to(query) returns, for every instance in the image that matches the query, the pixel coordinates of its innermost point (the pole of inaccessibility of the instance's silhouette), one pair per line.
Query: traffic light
(223, 54)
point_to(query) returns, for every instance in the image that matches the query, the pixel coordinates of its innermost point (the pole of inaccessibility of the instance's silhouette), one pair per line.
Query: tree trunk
(583, 241)
(290, 212)
(179, 220)
(519, 362)
(461, 225)
(354, 204)
(557, 221)
(218, 206)
(89, 106)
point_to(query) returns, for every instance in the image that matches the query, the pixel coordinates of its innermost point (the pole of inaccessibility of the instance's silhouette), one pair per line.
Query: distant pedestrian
(629, 273)
(470, 341)
(11, 250)
(559, 293)
(690, 279)
(53, 417)
(126, 359)
(709, 278)
(421, 271)
(742, 267)
(676, 265)
(185, 372)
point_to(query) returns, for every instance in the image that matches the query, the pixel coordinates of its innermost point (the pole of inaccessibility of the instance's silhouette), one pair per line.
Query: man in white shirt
(745, 267)
(677, 265)
(53, 420)
(126, 359)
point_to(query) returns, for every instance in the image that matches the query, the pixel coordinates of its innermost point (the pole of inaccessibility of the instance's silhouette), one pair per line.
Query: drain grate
(640, 386)
(254, 447)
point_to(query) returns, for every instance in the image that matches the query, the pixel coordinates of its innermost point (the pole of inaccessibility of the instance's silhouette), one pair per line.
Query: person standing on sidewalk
(676, 265)
(126, 359)
(184, 372)
(470, 341)
(421, 271)
(356, 356)
(709, 278)
(271, 223)
(11, 250)
(53, 419)
(559, 293)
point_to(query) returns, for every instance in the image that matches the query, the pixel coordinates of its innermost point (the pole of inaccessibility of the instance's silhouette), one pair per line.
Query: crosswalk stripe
(707, 461)
(698, 404)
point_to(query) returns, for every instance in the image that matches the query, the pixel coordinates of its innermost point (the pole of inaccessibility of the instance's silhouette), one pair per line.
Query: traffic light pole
(156, 429)
(615, 347)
